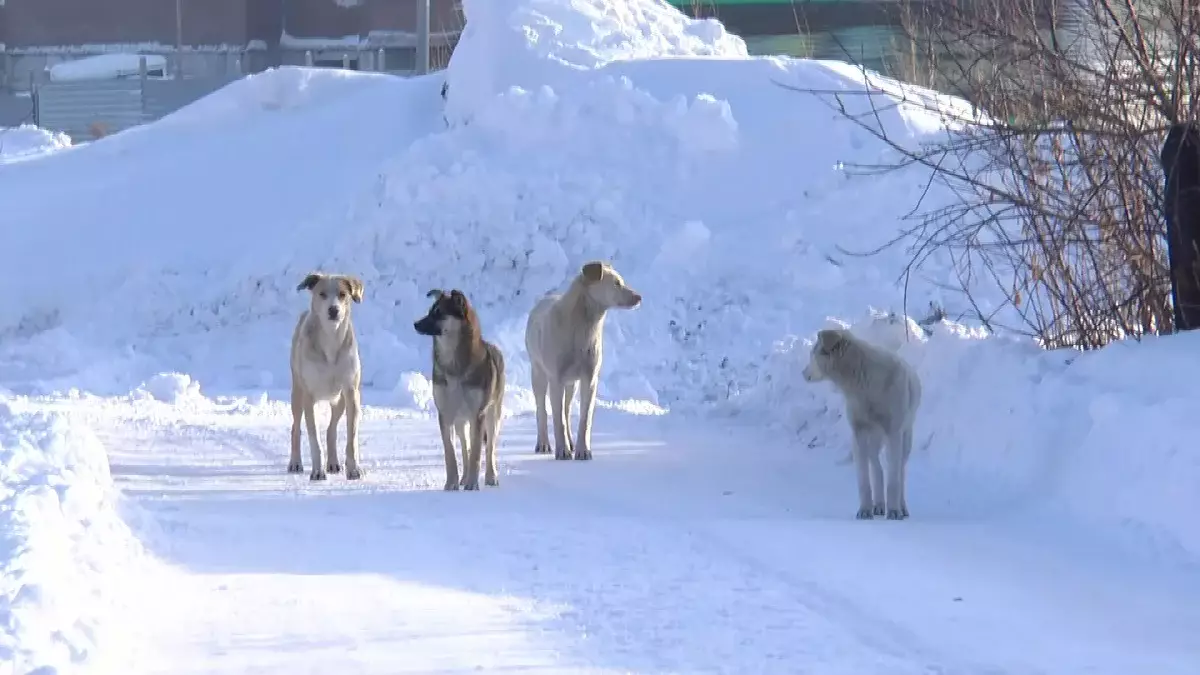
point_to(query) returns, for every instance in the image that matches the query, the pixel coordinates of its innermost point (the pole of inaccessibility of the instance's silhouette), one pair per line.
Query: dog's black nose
(333, 312)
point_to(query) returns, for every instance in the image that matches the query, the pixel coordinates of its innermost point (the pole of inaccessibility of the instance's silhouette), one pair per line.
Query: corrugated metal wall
(82, 108)
(78, 108)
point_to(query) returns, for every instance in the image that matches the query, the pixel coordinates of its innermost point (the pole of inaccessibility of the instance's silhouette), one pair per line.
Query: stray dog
(468, 386)
(325, 367)
(564, 338)
(882, 394)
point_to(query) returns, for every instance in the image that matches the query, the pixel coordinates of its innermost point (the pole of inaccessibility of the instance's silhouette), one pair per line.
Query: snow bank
(63, 546)
(29, 141)
(572, 130)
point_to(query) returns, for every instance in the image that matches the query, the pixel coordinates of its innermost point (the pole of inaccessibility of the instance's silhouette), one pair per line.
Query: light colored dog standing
(882, 394)
(564, 338)
(325, 367)
(468, 386)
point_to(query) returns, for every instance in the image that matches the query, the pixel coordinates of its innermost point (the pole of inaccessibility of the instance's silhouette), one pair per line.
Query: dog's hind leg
(336, 410)
(906, 440)
(895, 477)
(353, 399)
(310, 426)
(540, 391)
(460, 430)
(478, 429)
(866, 446)
(448, 448)
(295, 464)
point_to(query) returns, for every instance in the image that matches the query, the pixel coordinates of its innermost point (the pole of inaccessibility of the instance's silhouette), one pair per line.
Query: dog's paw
(877, 510)
(895, 514)
(333, 467)
(353, 473)
(583, 453)
(864, 514)
(541, 448)
(295, 467)
(903, 511)
(472, 484)
(492, 480)
(562, 453)
(317, 474)
(451, 485)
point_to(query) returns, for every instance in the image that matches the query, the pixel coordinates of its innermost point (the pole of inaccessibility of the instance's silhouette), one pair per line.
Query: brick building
(221, 36)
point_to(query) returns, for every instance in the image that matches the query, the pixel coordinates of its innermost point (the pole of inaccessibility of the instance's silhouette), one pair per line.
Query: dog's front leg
(587, 408)
(464, 447)
(336, 410)
(562, 449)
(866, 444)
(310, 425)
(541, 389)
(448, 447)
(478, 427)
(295, 464)
(353, 399)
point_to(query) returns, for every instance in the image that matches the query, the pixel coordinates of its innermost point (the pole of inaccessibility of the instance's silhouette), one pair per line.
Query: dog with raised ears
(882, 394)
(326, 368)
(468, 386)
(564, 336)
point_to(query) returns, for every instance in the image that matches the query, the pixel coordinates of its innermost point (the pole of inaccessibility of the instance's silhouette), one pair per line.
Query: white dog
(564, 338)
(882, 394)
(325, 367)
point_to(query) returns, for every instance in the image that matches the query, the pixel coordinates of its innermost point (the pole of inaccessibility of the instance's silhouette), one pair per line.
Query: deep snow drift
(159, 265)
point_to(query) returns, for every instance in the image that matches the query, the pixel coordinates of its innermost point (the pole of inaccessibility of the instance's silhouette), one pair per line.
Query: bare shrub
(1055, 190)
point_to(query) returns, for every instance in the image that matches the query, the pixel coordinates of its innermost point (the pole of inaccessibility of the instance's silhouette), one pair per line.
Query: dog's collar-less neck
(340, 336)
(577, 301)
(457, 355)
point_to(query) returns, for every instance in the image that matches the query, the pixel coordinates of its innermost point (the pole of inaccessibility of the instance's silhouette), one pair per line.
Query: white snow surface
(149, 525)
(29, 141)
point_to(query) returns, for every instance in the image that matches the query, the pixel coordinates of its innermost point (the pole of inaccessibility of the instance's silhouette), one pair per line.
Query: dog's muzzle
(426, 327)
(334, 313)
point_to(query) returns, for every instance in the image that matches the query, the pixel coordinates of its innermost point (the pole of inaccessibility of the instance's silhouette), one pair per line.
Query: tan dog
(468, 385)
(325, 367)
(564, 337)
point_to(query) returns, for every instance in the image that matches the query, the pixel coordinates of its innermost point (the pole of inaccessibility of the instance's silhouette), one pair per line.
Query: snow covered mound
(63, 546)
(29, 141)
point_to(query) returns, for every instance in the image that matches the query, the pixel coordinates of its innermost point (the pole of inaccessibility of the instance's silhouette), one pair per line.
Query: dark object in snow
(445, 88)
(1180, 158)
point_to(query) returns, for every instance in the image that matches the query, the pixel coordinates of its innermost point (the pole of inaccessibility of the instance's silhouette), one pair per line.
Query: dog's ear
(459, 307)
(354, 286)
(830, 341)
(593, 271)
(310, 281)
(435, 293)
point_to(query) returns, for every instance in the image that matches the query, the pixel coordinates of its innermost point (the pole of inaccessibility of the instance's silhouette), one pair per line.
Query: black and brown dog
(468, 386)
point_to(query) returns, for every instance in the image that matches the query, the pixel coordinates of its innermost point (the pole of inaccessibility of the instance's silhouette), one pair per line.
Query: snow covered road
(673, 551)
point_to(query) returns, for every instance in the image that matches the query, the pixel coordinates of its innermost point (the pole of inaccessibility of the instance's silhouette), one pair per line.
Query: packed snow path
(672, 551)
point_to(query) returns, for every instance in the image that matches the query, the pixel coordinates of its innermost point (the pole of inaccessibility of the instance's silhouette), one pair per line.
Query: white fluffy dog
(882, 394)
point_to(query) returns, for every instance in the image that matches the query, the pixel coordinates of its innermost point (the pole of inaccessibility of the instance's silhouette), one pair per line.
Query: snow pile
(29, 141)
(63, 547)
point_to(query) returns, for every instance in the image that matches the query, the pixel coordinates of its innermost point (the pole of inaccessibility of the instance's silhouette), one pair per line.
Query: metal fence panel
(81, 108)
